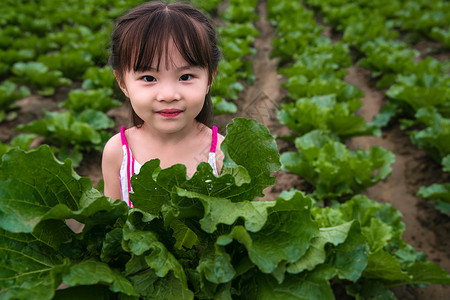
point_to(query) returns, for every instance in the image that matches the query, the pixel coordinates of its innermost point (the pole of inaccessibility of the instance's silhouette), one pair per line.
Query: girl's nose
(168, 92)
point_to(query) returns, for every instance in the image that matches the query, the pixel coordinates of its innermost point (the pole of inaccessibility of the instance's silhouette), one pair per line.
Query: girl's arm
(111, 162)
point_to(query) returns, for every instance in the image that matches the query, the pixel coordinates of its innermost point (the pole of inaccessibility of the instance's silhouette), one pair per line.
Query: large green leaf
(286, 234)
(82, 274)
(49, 190)
(316, 253)
(25, 197)
(29, 269)
(350, 258)
(224, 211)
(428, 273)
(382, 265)
(306, 286)
(250, 144)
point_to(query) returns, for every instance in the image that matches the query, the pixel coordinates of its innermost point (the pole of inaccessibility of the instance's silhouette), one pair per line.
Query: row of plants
(236, 36)
(202, 237)
(320, 110)
(418, 91)
(419, 18)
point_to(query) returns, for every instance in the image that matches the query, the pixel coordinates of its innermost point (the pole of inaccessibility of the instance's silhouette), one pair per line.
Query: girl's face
(168, 100)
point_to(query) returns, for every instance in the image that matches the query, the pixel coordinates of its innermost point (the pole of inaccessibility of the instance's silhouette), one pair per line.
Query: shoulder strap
(214, 139)
(129, 158)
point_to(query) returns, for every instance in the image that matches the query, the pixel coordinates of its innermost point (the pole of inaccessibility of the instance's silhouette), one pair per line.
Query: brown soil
(426, 228)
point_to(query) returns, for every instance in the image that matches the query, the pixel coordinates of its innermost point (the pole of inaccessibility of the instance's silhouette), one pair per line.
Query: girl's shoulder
(113, 148)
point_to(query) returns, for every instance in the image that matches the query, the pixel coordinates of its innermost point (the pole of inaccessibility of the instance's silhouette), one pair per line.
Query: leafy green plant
(72, 133)
(9, 93)
(10, 56)
(39, 76)
(240, 11)
(98, 99)
(235, 40)
(21, 141)
(435, 138)
(391, 261)
(199, 237)
(292, 37)
(299, 87)
(386, 59)
(72, 64)
(222, 106)
(427, 85)
(441, 35)
(360, 29)
(324, 113)
(325, 60)
(96, 77)
(208, 6)
(334, 170)
(440, 193)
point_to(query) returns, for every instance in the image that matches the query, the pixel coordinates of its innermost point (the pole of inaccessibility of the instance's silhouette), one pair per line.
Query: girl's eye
(148, 78)
(186, 77)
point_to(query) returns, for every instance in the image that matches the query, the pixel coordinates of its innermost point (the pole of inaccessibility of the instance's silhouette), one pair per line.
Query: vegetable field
(339, 187)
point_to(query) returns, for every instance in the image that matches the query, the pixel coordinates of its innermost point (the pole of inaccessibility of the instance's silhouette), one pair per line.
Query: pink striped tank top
(130, 166)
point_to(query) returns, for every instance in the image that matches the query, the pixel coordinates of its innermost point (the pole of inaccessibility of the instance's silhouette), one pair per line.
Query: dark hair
(144, 33)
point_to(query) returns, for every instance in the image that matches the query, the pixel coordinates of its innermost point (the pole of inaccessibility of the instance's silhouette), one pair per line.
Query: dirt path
(426, 228)
(261, 100)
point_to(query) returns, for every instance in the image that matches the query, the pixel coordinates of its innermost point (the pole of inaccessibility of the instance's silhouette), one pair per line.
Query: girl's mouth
(169, 113)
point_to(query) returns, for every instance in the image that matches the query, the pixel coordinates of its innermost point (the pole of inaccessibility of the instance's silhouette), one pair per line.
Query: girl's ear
(121, 83)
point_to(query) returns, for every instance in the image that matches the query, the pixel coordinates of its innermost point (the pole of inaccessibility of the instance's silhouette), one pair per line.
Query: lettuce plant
(72, 133)
(324, 113)
(95, 99)
(201, 237)
(96, 77)
(72, 64)
(333, 169)
(441, 35)
(440, 193)
(435, 137)
(8, 95)
(39, 76)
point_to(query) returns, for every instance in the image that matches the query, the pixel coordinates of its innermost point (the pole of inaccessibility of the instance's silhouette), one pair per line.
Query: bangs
(146, 41)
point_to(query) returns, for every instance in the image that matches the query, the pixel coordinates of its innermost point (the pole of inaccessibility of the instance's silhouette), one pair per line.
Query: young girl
(164, 58)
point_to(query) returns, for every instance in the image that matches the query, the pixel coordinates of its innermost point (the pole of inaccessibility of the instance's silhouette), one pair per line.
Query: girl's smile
(170, 112)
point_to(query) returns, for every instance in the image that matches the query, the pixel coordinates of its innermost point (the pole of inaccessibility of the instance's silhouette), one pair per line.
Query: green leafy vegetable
(8, 95)
(435, 138)
(324, 113)
(98, 99)
(333, 169)
(71, 132)
(97, 78)
(40, 77)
